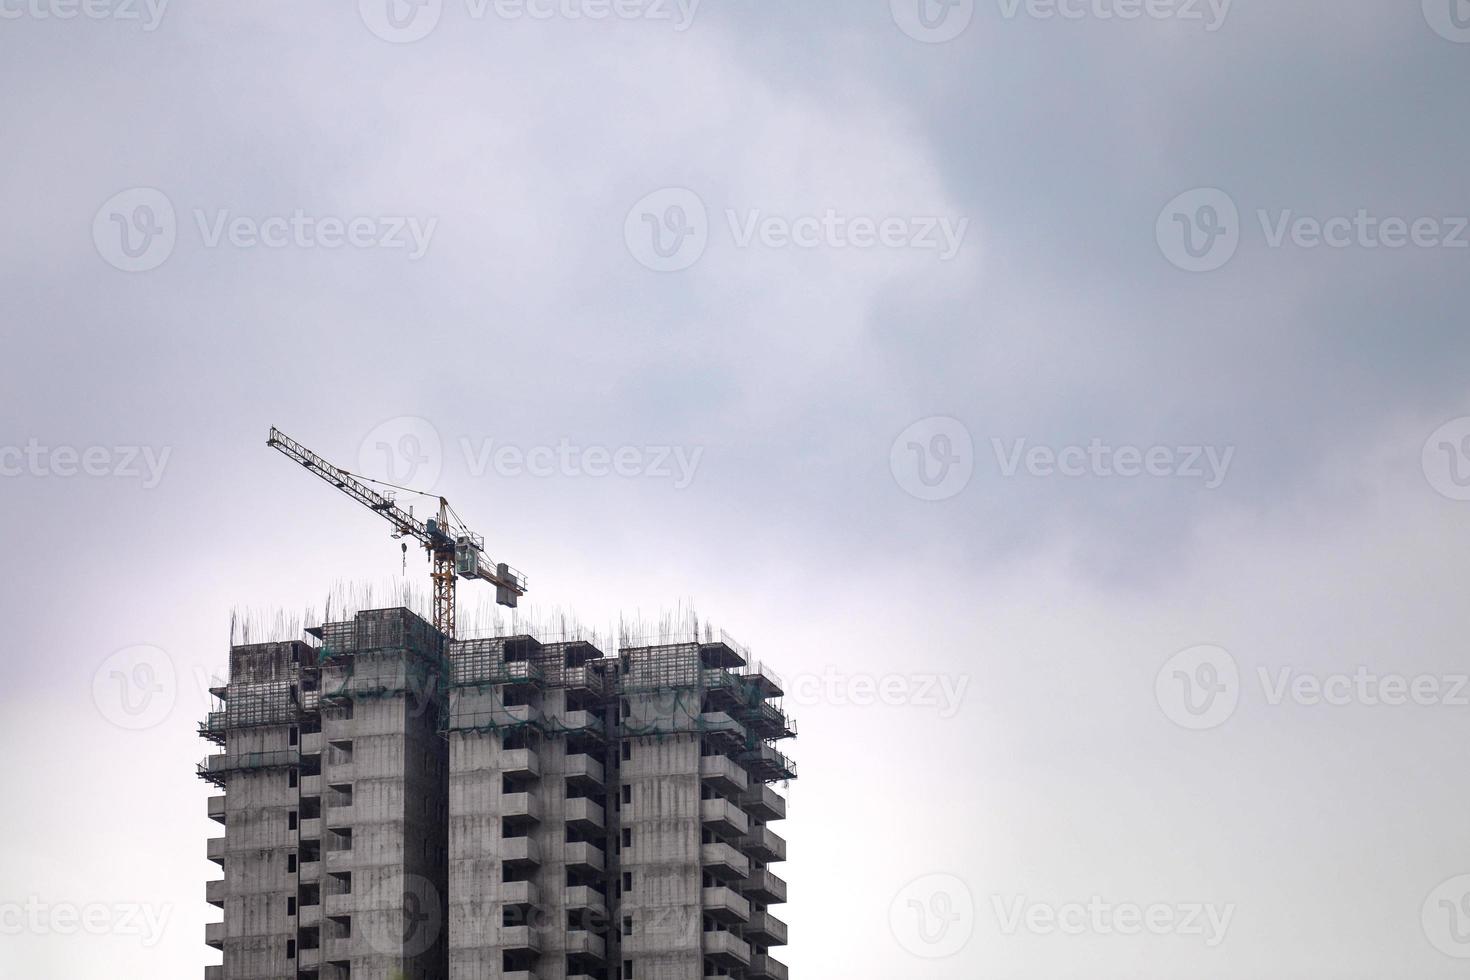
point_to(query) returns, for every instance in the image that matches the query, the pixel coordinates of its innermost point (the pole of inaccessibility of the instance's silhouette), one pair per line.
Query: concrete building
(400, 805)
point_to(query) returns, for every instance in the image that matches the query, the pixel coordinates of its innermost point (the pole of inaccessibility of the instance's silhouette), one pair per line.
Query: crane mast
(455, 553)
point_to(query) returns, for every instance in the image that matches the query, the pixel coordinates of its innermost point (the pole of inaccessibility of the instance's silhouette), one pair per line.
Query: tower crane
(454, 550)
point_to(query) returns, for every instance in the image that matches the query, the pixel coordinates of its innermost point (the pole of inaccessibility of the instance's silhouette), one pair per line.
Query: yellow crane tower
(454, 550)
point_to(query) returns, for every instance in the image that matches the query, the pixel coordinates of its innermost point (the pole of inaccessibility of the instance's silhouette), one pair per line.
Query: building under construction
(399, 804)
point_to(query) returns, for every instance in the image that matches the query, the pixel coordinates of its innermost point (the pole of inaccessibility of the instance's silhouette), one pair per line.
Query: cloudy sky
(1067, 396)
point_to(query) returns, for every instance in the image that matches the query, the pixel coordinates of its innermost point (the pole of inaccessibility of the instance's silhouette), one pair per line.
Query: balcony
(764, 968)
(588, 945)
(583, 723)
(765, 887)
(519, 939)
(580, 942)
(214, 893)
(479, 671)
(723, 905)
(217, 809)
(214, 973)
(580, 898)
(583, 856)
(766, 764)
(520, 893)
(520, 764)
(766, 930)
(214, 934)
(723, 775)
(585, 815)
(519, 809)
(213, 727)
(308, 916)
(763, 803)
(726, 949)
(769, 721)
(763, 845)
(520, 852)
(724, 688)
(766, 681)
(584, 771)
(312, 829)
(338, 905)
(723, 861)
(217, 768)
(724, 818)
(487, 714)
(722, 730)
(214, 849)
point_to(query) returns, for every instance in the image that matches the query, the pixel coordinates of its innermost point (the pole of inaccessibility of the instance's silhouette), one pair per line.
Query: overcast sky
(1067, 396)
